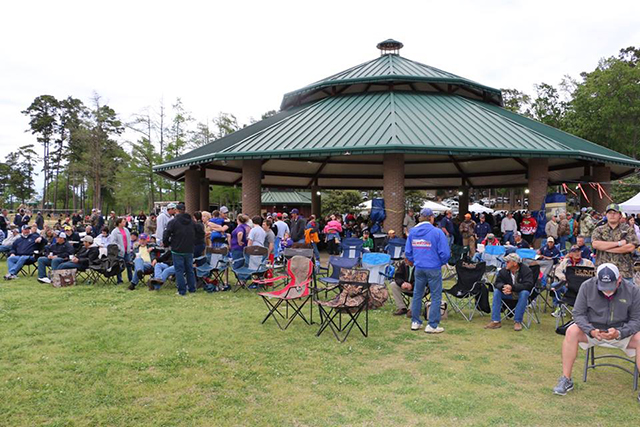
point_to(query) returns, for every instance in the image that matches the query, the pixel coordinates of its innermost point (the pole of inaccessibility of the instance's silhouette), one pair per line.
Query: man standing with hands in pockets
(428, 249)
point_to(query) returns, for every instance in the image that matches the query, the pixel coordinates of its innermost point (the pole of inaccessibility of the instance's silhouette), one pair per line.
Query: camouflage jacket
(605, 233)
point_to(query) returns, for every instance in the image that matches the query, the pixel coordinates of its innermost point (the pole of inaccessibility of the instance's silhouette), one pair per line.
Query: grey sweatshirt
(593, 310)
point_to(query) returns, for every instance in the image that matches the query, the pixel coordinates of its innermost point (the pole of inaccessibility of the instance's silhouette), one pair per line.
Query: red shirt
(528, 225)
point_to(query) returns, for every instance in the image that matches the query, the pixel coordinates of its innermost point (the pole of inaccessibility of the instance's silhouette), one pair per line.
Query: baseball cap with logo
(613, 207)
(295, 211)
(143, 236)
(550, 239)
(62, 235)
(224, 209)
(25, 227)
(574, 248)
(607, 277)
(512, 257)
(426, 212)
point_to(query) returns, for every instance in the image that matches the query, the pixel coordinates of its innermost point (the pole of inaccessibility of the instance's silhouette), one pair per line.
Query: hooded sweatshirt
(427, 247)
(180, 234)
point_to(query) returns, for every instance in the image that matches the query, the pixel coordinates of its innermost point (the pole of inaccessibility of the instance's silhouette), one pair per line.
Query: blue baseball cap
(426, 212)
(25, 227)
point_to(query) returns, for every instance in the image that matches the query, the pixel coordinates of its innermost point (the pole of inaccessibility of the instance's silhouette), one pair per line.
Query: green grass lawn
(96, 355)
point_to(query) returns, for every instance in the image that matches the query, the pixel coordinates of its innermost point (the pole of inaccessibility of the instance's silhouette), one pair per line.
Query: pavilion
(394, 124)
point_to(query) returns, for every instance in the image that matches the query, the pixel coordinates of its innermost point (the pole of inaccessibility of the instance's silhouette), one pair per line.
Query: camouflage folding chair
(295, 295)
(350, 303)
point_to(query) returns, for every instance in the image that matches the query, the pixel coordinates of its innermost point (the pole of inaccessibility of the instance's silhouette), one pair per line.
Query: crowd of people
(607, 309)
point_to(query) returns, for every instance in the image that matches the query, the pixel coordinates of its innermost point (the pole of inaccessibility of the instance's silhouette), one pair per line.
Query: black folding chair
(531, 310)
(350, 303)
(464, 296)
(575, 277)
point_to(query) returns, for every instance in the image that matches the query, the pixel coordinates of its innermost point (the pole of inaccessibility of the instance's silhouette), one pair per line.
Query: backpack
(112, 264)
(63, 278)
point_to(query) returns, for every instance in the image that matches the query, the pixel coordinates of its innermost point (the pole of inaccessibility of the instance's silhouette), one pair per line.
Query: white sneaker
(436, 330)
(44, 280)
(415, 326)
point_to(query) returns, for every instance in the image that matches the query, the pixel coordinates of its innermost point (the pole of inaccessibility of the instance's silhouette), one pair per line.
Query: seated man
(85, 256)
(514, 282)
(14, 234)
(519, 242)
(55, 253)
(584, 249)
(573, 258)
(142, 260)
(22, 251)
(607, 311)
(550, 251)
(73, 238)
(403, 280)
(162, 270)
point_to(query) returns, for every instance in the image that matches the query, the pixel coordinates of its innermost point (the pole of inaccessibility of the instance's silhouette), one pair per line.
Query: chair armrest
(272, 280)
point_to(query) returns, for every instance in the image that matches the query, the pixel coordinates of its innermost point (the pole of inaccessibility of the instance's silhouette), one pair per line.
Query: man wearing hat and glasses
(607, 311)
(428, 250)
(615, 242)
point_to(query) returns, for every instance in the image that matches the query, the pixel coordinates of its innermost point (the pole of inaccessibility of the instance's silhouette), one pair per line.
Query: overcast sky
(242, 56)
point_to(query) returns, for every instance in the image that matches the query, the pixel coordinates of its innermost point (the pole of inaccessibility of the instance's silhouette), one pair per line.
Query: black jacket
(524, 279)
(404, 274)
(63, 251)
(180, 234)
(87, 256)
(297, 229)
(40, 222)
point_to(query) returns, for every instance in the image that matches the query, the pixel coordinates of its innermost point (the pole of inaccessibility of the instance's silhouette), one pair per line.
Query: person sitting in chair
(550, 251)
(573, 258)
(22, 251)
(84, 257)
(55, 253)
(513, 282)
(607, 311)
(403, 281)
(491, 240)
(142, 260)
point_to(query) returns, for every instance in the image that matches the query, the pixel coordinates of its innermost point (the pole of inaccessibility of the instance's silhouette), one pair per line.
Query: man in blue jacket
(428, 250)
(55, 254)
(22, 251)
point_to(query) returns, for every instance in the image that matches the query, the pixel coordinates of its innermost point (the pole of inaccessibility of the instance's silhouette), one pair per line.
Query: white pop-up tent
(478, 208)
(436, 207)
(632, 205)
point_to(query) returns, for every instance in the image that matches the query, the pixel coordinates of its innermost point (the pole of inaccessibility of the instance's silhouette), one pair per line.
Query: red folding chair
(295, 295)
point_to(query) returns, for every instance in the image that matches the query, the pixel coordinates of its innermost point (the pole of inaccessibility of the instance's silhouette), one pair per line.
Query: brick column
(601, 174)
(463, 202)
(538, 180)
(192, 190)
(204, 189)
(316, 201)
(251, 187)
(393, 191)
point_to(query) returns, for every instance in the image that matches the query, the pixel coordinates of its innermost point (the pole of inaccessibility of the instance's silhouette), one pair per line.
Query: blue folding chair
(526, 253)
(395, 248)
(254, 266)
(493, 256)
(352, 248)
(379, 266)
(216, 267)
(336, 264)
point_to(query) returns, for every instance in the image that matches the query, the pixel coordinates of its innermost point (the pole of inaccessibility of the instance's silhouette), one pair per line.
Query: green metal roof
(402, 122)
(385, 70)
(286, 198)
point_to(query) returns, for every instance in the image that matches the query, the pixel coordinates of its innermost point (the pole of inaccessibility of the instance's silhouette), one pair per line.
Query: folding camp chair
(254, 266)
(590, 361)
(287, 254)
(493, 256)
(531, 310)
(547, 269)
(395, 248)
(352, 300)
(379, 266)
(352, 248)
(449, 269)
(464, 296)
(215, 271)
(575, 277)
(97, 274)
(336, 264)
(30, 268)
(295, 295)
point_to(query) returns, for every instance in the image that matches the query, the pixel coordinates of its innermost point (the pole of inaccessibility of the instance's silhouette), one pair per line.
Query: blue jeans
(183, 263)
(163, 271)
(316, 252)
(237, 257)
(127, 262)
(432, 277)
(450, 239)
(498, 296)
(15, 263)
(508, 237)
(4, 248)
(44, 262)
(139, 265)
(562, 240)
(68, 265)
(560, 288)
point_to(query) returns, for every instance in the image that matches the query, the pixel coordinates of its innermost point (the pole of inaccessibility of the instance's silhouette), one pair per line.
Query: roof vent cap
(389, 47)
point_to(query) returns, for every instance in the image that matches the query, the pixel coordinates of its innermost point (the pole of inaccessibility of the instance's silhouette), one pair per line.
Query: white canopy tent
(435, 207)
(478, 208)
(632, 205)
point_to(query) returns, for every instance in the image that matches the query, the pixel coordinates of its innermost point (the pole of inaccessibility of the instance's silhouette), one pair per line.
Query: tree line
(86, 164)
